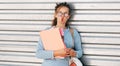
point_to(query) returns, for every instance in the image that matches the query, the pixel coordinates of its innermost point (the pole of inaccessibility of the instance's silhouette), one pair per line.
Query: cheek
(66, 18)
(59, 18)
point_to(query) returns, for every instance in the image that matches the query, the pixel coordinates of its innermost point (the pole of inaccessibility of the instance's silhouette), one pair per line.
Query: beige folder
(52, 39)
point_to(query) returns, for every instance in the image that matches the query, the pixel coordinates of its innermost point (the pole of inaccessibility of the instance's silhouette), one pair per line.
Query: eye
(66, 14)
(59, 13)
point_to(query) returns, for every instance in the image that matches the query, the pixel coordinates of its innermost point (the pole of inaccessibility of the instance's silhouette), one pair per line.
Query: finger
(68, 49)
(72, 53)
(66, 52)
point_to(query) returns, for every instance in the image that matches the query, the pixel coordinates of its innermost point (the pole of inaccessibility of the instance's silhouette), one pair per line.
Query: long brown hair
(63, 4)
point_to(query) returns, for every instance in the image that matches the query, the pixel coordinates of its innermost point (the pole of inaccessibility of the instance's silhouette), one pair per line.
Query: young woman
(61, 20)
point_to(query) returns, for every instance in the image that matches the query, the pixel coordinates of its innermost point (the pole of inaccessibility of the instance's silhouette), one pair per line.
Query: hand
(72, 53)
(67, 51)
(62, 52)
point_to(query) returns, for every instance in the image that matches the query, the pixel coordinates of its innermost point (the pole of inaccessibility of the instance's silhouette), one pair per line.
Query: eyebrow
(62, 12)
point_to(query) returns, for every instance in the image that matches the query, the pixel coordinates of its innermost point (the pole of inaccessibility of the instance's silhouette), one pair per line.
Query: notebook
(52, 39)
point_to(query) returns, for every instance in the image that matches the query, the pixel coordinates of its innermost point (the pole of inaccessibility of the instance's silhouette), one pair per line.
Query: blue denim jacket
(68, 40)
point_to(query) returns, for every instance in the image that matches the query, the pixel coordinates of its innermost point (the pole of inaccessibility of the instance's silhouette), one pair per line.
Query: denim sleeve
(77, 44)
(43, 54)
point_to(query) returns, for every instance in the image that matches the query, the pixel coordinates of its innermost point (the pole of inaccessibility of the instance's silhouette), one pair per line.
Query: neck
(61, 26)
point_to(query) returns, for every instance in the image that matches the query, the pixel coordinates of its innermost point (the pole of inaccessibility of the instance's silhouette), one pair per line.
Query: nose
(63, 15)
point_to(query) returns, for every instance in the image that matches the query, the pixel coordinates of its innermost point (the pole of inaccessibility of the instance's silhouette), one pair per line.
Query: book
(52, 39)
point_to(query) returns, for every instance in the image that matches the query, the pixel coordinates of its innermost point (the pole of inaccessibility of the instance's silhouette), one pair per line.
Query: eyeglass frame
(65, 14)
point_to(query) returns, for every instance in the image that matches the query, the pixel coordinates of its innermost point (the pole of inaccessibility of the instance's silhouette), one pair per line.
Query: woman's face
(62, 15)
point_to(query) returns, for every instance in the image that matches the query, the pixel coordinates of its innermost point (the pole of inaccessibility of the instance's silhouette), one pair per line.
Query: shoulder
(47, 28)
(76, 33)
(73, 29)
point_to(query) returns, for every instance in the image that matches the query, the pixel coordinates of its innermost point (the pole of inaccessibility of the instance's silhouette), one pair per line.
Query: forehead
(63, 9)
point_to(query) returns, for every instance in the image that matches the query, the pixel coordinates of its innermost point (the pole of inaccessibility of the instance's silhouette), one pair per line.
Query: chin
(63, 23)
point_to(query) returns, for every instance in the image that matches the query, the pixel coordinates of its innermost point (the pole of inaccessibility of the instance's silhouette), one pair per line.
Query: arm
(43, 54)
(77, 44)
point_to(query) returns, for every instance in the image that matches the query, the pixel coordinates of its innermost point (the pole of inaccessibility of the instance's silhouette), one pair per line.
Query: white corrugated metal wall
(97, 20)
